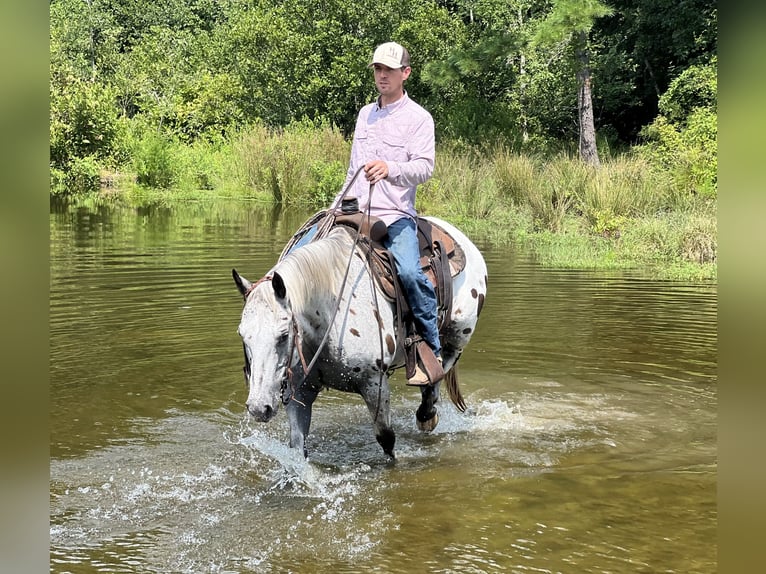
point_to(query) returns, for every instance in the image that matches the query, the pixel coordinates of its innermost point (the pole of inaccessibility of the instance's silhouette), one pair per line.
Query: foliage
(683, 138)
(84, 122)
(489, 70)
(154, 160)
(302, 163)
(80, 175)
(694, 88)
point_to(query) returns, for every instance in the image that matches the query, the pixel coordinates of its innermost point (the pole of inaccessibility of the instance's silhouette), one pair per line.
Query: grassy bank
(629, 214)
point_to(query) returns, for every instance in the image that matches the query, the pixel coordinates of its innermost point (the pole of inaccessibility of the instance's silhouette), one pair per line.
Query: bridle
(296, 338)
(295, 345)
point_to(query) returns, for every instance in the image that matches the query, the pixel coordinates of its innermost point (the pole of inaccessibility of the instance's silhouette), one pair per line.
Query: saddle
(441, 259)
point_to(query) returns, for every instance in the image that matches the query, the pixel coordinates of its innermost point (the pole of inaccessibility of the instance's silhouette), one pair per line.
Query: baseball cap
(392, 55)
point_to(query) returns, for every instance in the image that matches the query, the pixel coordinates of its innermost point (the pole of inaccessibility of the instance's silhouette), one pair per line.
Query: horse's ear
(279, 286)
(242, 284)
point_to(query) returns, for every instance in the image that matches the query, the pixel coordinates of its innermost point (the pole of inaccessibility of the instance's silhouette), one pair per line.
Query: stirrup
(421, 379)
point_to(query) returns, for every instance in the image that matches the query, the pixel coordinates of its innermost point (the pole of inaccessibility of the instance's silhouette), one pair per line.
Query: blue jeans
(402, 241)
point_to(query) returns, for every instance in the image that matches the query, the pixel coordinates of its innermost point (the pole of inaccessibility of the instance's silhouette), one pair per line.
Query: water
(589, 444)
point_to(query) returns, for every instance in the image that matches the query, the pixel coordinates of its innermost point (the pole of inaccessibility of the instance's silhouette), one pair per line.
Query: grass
(627, 214)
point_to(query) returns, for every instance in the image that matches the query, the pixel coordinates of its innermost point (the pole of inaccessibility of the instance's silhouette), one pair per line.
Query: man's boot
(428, 369)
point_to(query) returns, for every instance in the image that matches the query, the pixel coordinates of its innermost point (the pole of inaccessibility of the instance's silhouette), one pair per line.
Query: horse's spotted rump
(354, 332)
(352, 311)
(390, 344)
(474, 293)
(481, 304)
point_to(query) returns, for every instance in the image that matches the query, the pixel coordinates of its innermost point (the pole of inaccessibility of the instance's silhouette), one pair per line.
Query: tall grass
(628, 212)
(301, 163)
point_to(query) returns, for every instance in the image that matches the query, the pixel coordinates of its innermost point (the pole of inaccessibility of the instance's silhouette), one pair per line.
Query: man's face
(390, 81)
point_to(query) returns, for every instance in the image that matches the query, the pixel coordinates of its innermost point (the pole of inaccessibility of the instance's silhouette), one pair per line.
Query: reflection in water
(589, 444)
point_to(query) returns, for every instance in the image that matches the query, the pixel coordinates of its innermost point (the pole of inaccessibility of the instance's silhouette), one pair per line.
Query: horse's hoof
(430, 424)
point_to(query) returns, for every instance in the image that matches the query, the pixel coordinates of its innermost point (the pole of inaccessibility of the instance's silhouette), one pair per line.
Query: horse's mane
(318, 266)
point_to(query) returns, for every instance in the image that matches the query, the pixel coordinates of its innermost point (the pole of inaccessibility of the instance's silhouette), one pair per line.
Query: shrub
(154, 161)
(329, 177)
(683, 138)
(300, 164)
(81, 175)
(84, 122)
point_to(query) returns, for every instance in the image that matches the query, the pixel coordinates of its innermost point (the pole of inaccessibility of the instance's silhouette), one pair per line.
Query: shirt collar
(391, 108)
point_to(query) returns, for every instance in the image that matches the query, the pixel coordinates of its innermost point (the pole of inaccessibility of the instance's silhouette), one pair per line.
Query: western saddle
(441, 259)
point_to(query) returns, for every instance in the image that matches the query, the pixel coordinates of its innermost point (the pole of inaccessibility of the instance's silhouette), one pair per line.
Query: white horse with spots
(318, 319)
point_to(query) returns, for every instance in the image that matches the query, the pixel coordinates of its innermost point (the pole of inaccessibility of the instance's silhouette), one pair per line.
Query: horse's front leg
(377, 397)
(299, 414)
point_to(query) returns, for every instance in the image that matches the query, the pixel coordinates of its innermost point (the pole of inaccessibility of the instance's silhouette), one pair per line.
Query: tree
(642, 46)
(570, 22)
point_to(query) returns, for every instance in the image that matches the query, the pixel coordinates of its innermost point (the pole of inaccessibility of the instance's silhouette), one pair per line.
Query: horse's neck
(319, 305)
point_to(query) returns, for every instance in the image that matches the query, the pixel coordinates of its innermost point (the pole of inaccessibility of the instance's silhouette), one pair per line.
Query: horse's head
(268, 336)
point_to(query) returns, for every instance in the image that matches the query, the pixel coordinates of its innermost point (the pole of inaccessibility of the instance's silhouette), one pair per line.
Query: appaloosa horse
(318, 319)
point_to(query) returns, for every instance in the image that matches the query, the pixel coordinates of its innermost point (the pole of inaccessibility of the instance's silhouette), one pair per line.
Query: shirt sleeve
(421, 151)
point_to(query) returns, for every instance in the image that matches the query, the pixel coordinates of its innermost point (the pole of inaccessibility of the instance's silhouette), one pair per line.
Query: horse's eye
(282, 339)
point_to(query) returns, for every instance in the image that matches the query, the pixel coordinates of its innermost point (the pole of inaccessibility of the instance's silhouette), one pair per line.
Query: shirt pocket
(395, 146)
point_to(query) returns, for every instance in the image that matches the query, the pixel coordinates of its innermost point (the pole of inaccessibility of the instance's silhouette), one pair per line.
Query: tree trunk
(523, 86)
(588, 150)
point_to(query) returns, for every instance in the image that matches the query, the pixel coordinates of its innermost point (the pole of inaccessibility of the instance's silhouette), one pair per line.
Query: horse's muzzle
(261, 413)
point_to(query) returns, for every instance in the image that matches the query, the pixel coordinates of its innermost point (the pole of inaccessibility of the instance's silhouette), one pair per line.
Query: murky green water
(589, 444)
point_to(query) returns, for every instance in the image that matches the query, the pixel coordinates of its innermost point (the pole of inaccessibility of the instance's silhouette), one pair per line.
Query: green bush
(154, 161)
(303, 163)
(695, 88)
(329, 177)
(84, 121)
(80, 176)
(683, 139)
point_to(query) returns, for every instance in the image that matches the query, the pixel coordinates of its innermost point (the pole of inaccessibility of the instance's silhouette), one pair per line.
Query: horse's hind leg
(427, 416)
(377, 397)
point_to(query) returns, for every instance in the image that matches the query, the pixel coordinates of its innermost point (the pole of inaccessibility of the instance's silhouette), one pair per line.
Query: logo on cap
(389, 54)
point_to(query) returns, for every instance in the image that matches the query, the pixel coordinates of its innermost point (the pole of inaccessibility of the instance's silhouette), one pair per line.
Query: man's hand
(375, 170)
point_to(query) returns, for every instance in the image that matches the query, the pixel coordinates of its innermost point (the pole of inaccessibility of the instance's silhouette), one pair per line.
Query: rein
(296, 344)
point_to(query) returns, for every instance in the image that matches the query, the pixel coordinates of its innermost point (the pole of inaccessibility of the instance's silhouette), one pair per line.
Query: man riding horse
(394, 146)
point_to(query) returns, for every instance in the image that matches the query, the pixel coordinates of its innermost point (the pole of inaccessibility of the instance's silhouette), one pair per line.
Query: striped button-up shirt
(402, 135)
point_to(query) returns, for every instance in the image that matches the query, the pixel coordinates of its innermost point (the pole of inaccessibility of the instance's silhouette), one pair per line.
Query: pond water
(589, 443)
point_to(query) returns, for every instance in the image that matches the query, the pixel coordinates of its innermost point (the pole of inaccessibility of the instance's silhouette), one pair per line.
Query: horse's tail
(453, 388)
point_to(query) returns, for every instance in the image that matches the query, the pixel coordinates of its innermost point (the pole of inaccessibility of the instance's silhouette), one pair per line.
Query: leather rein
(296, 338)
